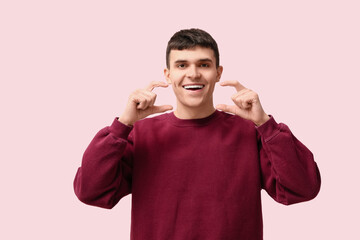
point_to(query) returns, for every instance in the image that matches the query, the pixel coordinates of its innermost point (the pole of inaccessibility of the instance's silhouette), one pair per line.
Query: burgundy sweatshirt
(197, 179)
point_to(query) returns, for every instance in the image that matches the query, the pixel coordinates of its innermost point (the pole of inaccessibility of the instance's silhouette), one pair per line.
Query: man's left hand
(247, 104)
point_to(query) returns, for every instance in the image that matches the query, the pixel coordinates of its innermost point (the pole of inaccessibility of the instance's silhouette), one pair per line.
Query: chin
(193, 104)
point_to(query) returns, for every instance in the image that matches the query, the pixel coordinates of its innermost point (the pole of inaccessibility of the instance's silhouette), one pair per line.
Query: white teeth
(194, 86)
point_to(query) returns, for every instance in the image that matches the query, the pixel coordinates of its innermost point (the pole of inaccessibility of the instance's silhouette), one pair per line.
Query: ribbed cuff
(269, 129)
(119, 129)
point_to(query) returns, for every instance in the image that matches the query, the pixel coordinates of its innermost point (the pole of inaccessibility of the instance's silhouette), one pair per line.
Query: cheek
(211, 77)
(175, 79)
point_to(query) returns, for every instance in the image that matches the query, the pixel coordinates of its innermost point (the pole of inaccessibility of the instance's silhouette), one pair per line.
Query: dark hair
(190, 38)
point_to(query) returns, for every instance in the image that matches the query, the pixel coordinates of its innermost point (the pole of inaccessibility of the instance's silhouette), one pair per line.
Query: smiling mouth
(194, 87)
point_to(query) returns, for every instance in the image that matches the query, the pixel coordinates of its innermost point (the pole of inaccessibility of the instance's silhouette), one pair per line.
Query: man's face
(193, 74)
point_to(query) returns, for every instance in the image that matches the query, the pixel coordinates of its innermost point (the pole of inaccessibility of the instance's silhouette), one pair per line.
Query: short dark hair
(190, 38)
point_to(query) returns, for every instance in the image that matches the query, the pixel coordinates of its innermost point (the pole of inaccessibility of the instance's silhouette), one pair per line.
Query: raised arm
(289, 173)
(105, 174)
(106, 170)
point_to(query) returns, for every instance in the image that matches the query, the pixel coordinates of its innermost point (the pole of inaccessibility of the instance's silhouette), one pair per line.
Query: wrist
(125, 121)
(263, 120)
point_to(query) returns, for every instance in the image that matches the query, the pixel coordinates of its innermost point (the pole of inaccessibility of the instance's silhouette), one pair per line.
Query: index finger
(155, 84)
(233, 83)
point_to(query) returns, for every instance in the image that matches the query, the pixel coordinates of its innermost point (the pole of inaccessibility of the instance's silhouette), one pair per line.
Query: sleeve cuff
(268, 129)
(119, 129)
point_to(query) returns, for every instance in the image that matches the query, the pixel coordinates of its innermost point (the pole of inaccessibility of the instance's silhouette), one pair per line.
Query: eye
(204, 65)
(181, 65)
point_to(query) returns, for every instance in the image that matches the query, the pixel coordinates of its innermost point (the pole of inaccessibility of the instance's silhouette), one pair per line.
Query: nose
(193, 72)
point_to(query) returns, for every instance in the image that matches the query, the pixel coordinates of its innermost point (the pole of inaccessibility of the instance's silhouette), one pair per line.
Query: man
(196, 172)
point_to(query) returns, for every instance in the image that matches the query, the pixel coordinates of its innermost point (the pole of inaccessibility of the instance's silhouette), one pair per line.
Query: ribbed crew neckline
(193, 122)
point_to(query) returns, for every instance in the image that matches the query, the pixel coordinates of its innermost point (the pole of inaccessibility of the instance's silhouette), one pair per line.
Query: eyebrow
(200, 60)
(205, 60)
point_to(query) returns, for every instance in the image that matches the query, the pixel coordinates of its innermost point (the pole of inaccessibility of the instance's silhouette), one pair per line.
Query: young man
(196, 172)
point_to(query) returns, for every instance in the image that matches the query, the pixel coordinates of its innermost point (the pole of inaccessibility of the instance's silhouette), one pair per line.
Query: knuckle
(234, 97)
(253, 92)
(133, 93)
(244, 90)
(153, 83)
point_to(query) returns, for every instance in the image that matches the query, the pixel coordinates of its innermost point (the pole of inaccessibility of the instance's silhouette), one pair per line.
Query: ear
(167, 75)
(219, 71)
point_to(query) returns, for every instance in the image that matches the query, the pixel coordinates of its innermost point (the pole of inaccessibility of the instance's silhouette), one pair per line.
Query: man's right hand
(141, 104)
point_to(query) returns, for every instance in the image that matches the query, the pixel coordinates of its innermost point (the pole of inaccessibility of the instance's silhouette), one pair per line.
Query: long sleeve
(105, 175)
(289, 172)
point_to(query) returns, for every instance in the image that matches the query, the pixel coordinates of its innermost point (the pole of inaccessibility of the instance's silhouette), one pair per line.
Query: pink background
(67, 68)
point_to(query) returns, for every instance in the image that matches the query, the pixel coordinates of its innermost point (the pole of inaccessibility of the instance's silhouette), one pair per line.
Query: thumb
(160, 109)
(227, 108)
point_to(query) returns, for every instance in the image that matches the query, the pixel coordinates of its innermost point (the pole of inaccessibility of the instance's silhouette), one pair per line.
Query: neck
(184, 112)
